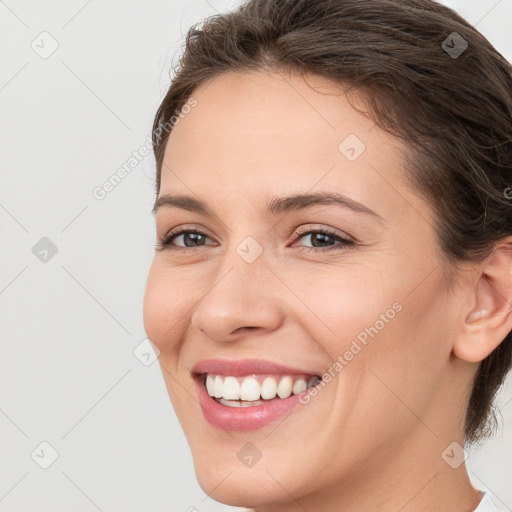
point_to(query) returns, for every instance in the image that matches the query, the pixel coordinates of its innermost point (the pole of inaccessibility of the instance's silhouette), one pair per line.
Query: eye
(323, 240)
(320, 239)
(183, 240)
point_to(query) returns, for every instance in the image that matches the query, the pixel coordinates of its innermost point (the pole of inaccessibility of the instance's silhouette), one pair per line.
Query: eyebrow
(276, 206)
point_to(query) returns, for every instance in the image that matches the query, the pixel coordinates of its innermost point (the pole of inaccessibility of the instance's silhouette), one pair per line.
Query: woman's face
(286, 290)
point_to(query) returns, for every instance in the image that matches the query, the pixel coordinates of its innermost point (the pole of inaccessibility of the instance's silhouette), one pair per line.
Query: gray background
(69, 325)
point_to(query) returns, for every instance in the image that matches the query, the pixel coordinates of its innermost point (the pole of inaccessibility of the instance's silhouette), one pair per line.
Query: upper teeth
(251, 388)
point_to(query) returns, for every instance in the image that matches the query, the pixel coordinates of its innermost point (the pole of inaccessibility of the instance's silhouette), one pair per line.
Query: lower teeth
(239, 403)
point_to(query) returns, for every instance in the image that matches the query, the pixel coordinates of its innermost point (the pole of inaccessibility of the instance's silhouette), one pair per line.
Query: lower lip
(243, 418)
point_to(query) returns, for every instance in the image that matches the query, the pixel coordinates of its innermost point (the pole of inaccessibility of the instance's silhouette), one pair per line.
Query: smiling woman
(331, 288)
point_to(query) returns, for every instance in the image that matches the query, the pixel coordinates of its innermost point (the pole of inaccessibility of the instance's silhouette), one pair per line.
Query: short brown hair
(454, 110)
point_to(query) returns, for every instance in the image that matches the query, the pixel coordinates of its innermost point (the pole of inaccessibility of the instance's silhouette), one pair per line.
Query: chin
(237, 486)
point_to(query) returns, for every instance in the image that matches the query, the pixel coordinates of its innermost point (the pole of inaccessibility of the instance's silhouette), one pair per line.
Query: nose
(242, 301)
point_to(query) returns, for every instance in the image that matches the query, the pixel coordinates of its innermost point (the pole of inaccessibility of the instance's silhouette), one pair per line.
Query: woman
(331, 291)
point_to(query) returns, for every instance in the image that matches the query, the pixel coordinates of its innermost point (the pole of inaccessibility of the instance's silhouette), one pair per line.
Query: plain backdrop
(80, 82)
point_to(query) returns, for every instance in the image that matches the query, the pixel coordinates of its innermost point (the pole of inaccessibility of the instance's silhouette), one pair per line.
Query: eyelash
(165, 243)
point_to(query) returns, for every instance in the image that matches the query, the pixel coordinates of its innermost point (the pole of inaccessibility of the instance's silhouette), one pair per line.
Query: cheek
(349, 305)
(405, 359)
(165, 308)
(376, 323)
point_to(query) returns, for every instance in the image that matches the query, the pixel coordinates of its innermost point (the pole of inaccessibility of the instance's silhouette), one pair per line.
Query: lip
(240, 367)
(243, 418)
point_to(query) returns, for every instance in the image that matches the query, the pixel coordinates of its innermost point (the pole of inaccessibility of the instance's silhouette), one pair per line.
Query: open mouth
(255, 390)
(248, 394)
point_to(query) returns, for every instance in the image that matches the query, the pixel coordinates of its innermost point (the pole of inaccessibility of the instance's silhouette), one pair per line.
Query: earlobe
(489, 321)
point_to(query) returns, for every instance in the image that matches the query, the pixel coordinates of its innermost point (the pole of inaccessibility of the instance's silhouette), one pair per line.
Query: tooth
(313, 381)
(250, 389)
(268, 388)
(218, 386)
(252, 404)
(284, 389)
(299, 386)
(239, 403)
(230, 403)
(231, 390)
(210, 385)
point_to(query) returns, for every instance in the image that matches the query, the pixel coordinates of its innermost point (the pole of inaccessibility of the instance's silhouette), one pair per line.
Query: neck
(410, 477)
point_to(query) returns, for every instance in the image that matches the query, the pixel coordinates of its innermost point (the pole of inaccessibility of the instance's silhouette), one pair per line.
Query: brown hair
(452, 104)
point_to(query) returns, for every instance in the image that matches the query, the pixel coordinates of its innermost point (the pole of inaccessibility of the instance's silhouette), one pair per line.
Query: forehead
(271, 116)
(251, 133)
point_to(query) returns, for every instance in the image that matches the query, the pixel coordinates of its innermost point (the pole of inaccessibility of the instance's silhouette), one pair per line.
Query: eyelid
(344, 241)
(318, 228)
(164, 242)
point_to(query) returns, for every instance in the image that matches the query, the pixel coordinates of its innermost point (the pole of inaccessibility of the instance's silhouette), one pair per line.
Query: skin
(373, 438)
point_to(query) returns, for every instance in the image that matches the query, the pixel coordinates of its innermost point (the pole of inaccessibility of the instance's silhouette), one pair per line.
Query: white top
(487, 505)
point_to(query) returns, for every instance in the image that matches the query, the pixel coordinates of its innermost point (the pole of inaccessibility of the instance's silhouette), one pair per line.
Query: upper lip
(240, 367)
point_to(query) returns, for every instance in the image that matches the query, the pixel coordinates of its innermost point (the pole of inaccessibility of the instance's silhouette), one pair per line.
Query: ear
(489, 321)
